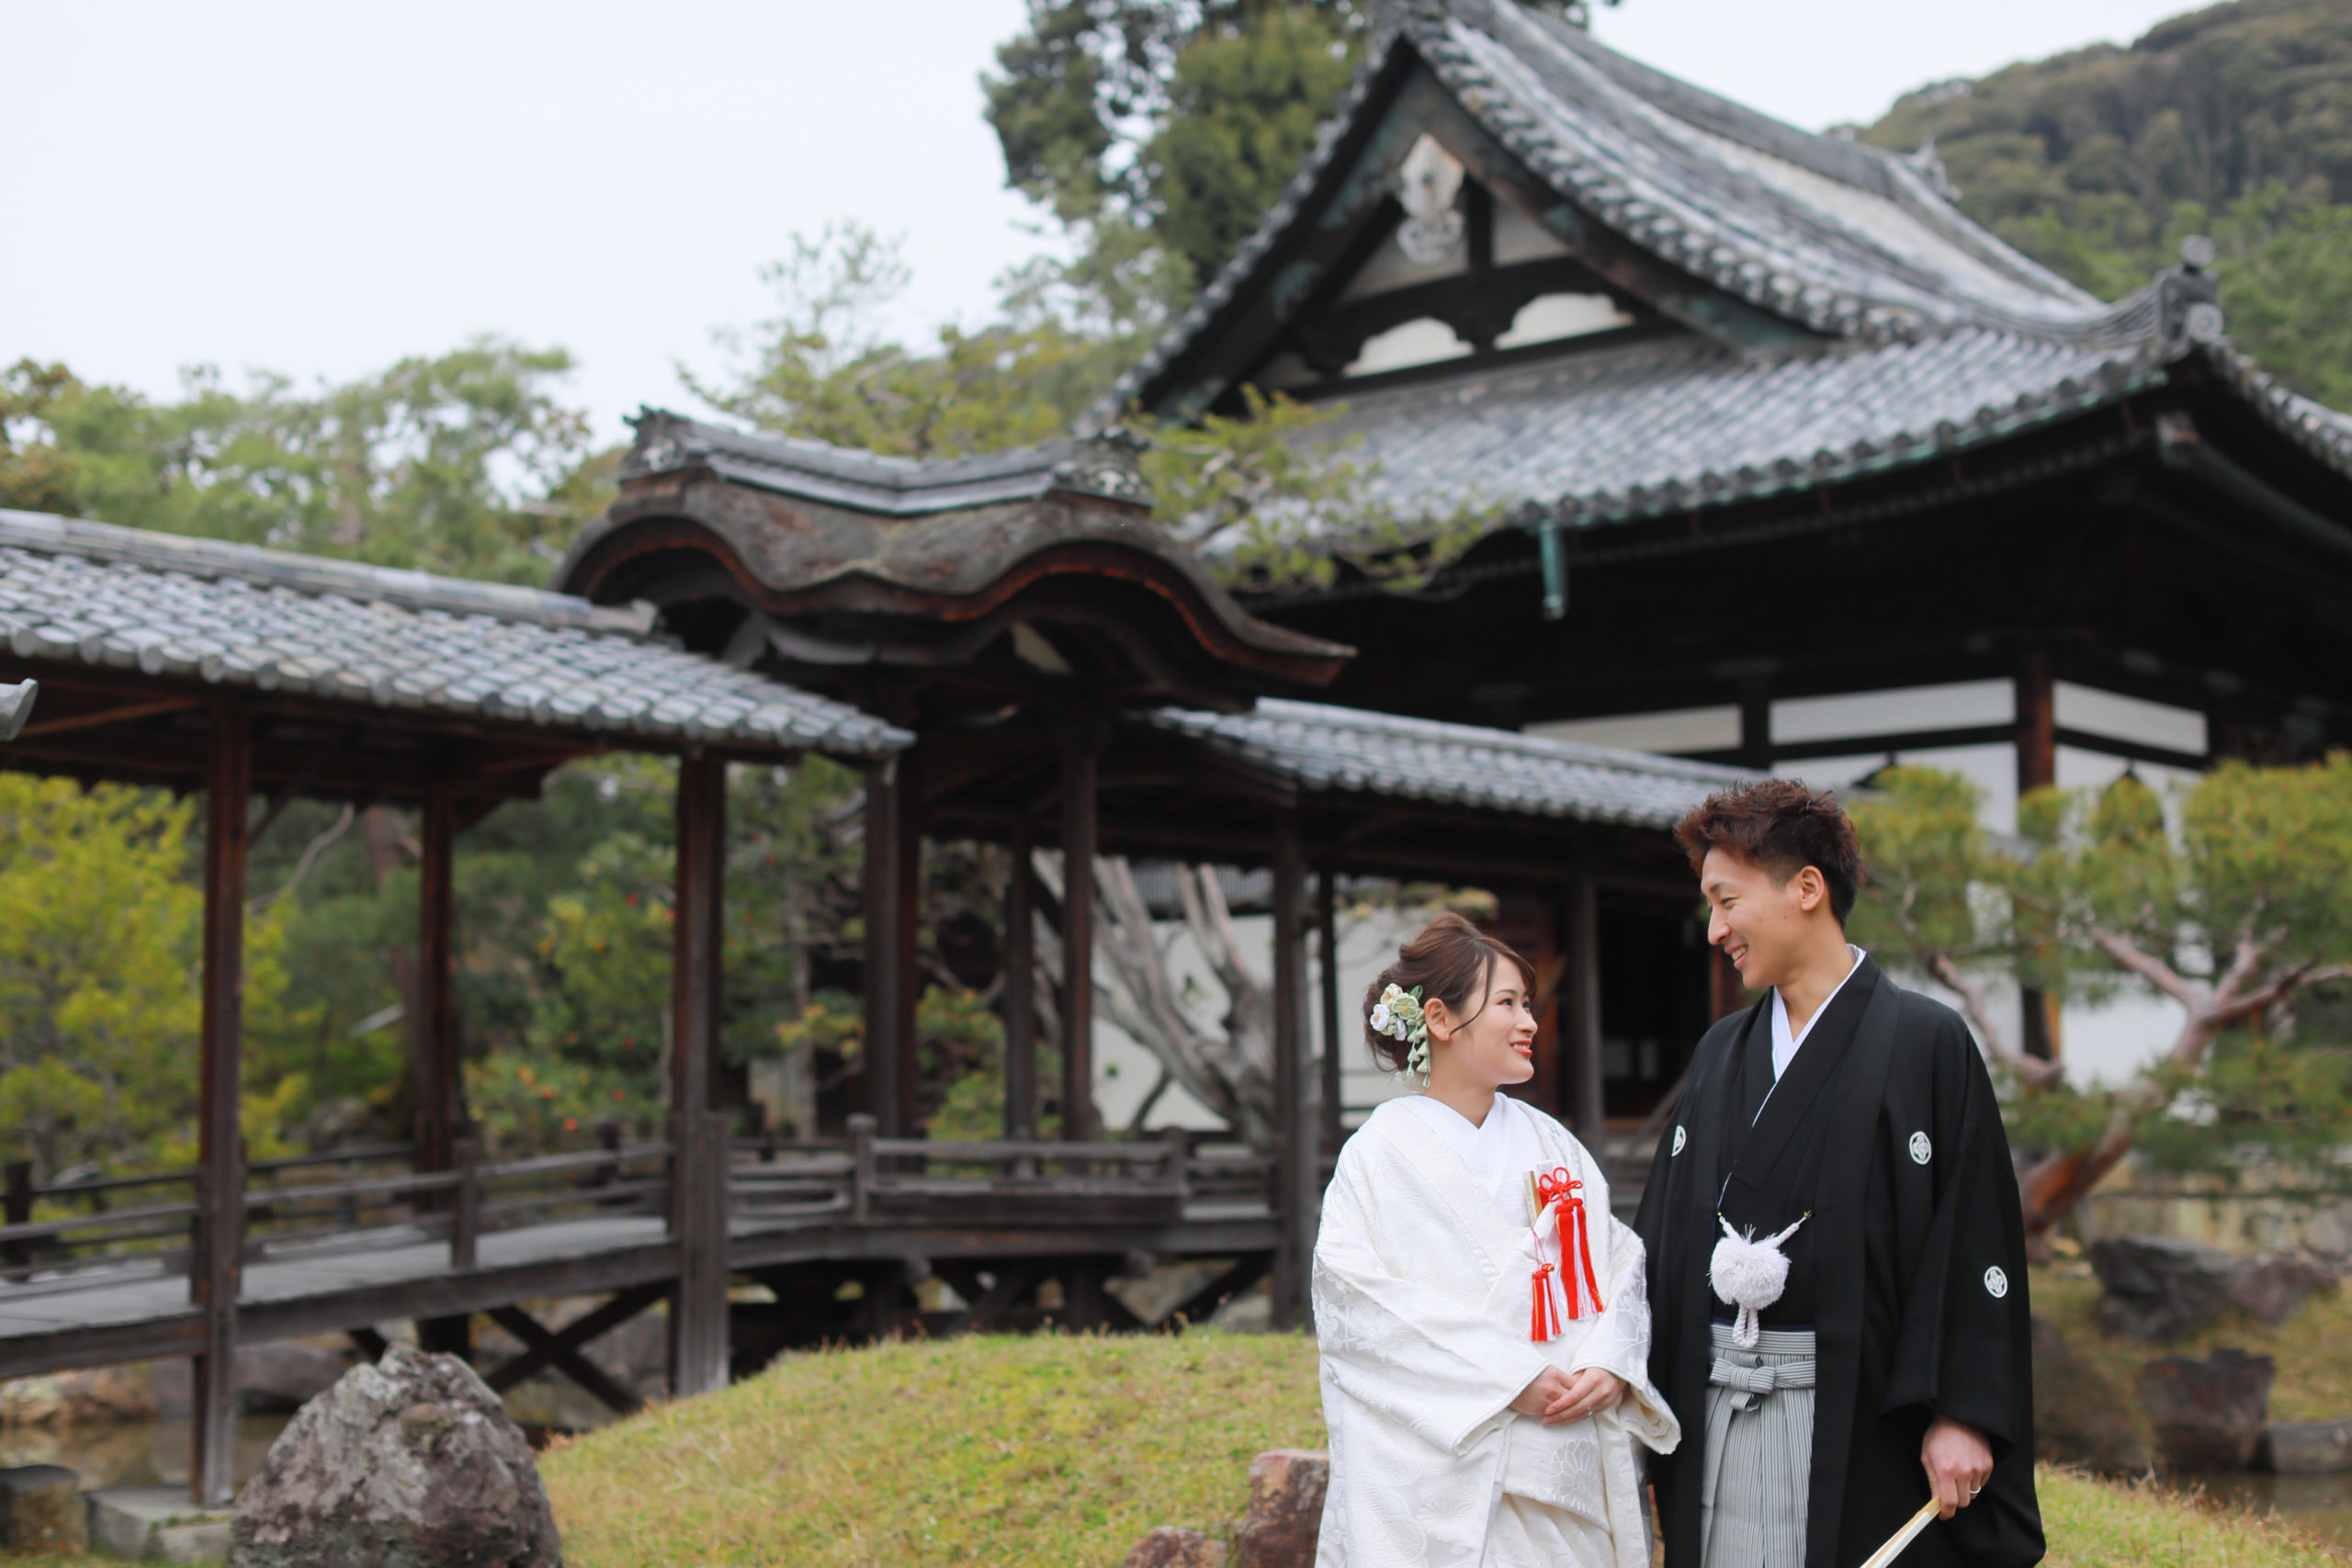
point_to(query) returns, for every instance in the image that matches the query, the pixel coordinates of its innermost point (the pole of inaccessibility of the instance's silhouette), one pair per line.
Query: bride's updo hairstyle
(1449, 959)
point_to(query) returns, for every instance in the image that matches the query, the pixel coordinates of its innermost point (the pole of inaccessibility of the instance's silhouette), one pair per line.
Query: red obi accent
(1545, 1324)
(1561, 1193)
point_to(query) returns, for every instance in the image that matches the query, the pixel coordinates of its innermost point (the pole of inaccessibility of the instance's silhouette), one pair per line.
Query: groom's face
(1762, 924)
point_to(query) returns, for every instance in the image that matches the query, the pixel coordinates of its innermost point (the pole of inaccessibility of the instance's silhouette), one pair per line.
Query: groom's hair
(1782, 826)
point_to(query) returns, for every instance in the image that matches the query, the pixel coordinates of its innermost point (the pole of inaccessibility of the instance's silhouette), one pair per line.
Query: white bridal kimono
(1424, 1302)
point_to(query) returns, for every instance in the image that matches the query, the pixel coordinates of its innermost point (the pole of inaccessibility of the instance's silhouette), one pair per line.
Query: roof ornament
(1107, 465)
(657, 446)
(1930, 168)
(2188, 298)
(1428, 182)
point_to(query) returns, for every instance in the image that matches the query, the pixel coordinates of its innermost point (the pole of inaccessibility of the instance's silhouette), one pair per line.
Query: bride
(1484, 1332)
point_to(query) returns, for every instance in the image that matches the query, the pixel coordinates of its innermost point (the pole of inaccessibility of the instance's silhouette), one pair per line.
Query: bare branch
(2031, 1069)
(2131, 957)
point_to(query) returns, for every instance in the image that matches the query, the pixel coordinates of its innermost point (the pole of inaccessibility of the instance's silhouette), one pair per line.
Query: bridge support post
(433, 1034)
(1083, 738)
(1297, 1139)
(217, 1266)
(698, 1136)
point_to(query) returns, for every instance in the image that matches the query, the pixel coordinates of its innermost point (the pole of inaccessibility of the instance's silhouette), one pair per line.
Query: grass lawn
(1060, 1452)
(2313, 1348)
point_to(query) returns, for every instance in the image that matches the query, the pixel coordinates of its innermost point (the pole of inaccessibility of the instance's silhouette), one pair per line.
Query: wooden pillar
(1296, 1140)
(217, 1266)
(2037, 744)
(1754, 725)
(1019, 989)
(1083, 744)
(906, 865)
(1334, 1036)
(1583, 1010)
(699, 1166)
(433, 1032)
(885, 981)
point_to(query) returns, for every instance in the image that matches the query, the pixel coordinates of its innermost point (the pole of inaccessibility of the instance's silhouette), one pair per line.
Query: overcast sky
(322, 189)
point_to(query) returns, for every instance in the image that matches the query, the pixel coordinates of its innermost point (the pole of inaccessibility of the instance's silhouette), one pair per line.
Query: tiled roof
(97, 594)
(1665, 425)
(870, 481)
(1336, 749)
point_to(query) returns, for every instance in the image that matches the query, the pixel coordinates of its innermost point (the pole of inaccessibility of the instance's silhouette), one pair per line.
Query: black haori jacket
(1911, 1271)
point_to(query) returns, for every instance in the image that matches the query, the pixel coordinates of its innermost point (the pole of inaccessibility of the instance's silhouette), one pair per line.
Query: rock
(154, 1521)
(1171, 1548)
(2272, 1288)
(408, 1463)
(2079, 1415)
(2207, 1415)
(271, 1379)
(79, 1398)
(1286, 1487)
(2306, 1448)
(2158, 1288)
(42, 1510)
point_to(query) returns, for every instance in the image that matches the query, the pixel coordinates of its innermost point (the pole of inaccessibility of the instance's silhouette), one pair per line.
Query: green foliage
(100, 938)
(1273, 505)
(437, 463)
(1928, 858)
(2234, 120)
(529, 1103)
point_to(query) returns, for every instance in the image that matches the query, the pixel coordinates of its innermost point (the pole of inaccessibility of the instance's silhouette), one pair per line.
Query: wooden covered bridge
(1011, 652)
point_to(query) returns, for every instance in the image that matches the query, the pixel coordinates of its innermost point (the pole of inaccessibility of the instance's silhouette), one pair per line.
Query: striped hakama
(1759, 1451)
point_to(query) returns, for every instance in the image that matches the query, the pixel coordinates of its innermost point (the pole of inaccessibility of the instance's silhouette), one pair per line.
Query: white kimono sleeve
(1620, 1343)
(1432, 1362)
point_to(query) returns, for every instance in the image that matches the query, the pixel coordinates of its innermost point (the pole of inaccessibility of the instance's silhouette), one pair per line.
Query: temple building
(1790, 464)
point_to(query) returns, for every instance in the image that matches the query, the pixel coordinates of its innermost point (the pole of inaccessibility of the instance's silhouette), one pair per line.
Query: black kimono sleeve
(1962, 1345)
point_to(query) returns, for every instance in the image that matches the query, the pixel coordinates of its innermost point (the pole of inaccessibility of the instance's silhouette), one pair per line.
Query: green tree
(100, 938)
(464, 463)
(2234, 914)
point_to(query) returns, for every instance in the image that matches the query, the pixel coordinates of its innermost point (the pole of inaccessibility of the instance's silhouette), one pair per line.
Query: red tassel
(1545, 1324)
(1561, 1190)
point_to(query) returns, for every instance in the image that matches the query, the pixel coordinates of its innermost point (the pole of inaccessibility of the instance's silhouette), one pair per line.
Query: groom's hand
(1959, 1462)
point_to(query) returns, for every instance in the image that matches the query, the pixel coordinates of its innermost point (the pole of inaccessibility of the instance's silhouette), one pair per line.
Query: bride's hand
(1548, 1387)
(1588, 1392)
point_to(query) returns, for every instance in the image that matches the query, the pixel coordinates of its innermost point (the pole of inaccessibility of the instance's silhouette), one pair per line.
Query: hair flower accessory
(1397, 1015)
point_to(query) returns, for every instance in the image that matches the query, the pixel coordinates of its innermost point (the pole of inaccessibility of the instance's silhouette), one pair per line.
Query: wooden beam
(906, 865)
(1335, 1039)
(542, 1348)
(432, 1032)
(885, 980)
(1020, 987)
(2037, 743)
(1083, 744)
(217, 1269)
(121, 714)
(565, 1358)
(1296, 1143)
(1584, 1006)
(697, 1192)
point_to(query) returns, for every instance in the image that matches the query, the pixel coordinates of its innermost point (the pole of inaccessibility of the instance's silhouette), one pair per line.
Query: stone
(2080, 1417)
(2156, 1288)
(2271, 1289)
(2207, 1415)
(2306, 1448)
(42, 1510)
(87, 1397)
(145, 1521)
(1286, 1487)
(412, 1462)
(1168, 1547)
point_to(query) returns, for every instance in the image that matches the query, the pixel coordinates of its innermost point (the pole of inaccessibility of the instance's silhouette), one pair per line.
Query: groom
(1893, 1362)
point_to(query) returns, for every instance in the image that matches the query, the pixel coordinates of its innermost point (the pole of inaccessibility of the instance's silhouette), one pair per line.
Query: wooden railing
(456, 1205)
(860, 1180)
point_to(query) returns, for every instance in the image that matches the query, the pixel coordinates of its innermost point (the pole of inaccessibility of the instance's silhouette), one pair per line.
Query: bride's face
(1496, 1044)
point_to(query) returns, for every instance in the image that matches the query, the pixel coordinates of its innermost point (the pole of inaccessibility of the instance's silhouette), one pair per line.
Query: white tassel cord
(1750, 1274)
